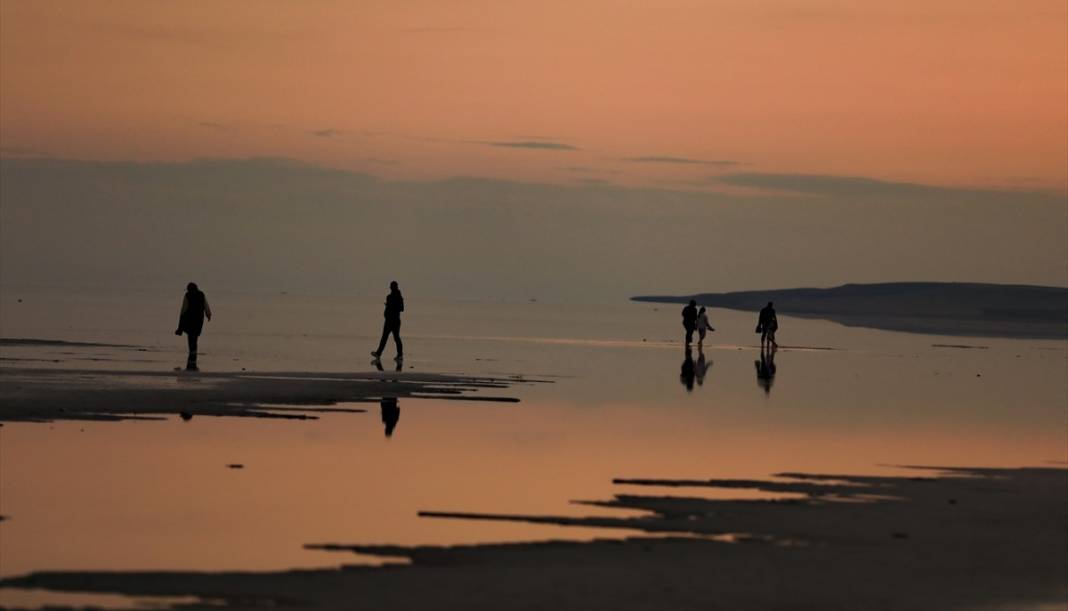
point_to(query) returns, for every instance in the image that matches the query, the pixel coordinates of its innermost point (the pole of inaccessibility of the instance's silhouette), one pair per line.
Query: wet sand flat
(959, 539)
(494, 505)
(57, 394)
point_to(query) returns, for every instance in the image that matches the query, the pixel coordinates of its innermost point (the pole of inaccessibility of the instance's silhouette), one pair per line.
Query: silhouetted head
(702, 309)
(192, 286)
(770, 304)
(393, 285)
(693, 302)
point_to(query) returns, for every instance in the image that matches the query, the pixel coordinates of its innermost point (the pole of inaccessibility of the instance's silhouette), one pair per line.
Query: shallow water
(159, 495)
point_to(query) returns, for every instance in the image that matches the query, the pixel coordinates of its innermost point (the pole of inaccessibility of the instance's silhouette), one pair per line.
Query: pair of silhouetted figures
(195, 309)
(767, 325)
(697, 320)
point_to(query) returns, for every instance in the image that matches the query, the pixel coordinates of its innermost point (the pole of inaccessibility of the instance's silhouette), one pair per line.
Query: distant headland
(943, 308)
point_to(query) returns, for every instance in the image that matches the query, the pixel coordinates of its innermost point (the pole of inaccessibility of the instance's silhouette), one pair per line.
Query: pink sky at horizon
(951, 92)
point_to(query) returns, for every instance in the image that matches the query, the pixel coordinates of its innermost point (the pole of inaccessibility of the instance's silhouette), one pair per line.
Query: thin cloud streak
(213, 126)
(441, 30)
(18, 151)
(667, 159)
(533, 144)
(828, 185)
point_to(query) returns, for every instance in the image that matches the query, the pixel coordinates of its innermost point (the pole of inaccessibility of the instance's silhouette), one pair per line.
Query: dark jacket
(767, 319)
(394, 306)
(191, 320)
(689, 316)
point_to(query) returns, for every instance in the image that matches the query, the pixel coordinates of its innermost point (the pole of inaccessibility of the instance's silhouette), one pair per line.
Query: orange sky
(948, 92)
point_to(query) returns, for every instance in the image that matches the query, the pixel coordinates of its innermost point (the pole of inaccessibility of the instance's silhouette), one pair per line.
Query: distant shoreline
(937, 308)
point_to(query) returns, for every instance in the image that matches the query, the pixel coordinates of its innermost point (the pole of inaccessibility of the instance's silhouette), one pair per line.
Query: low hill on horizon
(944, 308)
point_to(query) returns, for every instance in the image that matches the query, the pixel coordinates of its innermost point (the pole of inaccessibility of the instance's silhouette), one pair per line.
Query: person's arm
(181, 315)
(207, 308)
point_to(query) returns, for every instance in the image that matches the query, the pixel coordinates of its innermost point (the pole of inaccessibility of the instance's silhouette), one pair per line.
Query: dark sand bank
(942, 308)
(967, 539)
(64, 394)
(20, 341)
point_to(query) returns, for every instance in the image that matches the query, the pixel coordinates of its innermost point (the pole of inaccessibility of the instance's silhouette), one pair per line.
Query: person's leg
(397, 339)
(689, 335)
(386, 328)
(191, 360)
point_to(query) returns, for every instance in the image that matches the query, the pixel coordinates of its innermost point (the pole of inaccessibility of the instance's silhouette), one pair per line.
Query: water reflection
(378, 365)
(701, 367)
(389, 405)
(559, 443)
(390, 414)
(692, 371)
(688, 372)
(765, 368)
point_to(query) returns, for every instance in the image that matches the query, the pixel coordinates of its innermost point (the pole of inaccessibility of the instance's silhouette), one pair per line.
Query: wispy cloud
(18, 151)
(594, 182)
(533, 144)
(668, 159)
(584, 170)
(440, 30)
(381, 161)
(326, 133)
(828, 185)
(213, 126)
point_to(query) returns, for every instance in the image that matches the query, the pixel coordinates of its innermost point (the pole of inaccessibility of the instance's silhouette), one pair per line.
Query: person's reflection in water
(765, 369)
(378, 365)
(688, 373)
(702, 367)
(390, 414)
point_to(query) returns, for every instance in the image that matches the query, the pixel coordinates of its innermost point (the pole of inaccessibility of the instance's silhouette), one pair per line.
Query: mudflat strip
(961, 539)
(41, 395)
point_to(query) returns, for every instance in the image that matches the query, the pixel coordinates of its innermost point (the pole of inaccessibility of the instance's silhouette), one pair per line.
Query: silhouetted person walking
(394, 307)
(390, 414)
(191, 321)
(703, 326)
(689, 320)
(767, 325)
